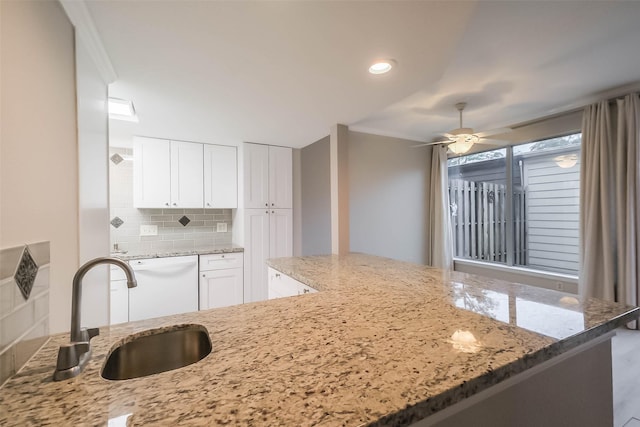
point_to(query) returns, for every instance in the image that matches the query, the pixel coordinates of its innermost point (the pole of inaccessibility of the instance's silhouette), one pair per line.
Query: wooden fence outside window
(479, 223)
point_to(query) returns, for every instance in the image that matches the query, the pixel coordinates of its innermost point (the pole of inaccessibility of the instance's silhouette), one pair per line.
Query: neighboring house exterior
(546, 187)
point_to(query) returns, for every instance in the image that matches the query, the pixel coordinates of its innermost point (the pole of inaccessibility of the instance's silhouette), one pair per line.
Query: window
(518, 205)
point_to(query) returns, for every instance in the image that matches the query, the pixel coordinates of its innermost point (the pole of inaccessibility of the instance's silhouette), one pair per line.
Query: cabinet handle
(277, 274)
(306, 291)
(175, 204)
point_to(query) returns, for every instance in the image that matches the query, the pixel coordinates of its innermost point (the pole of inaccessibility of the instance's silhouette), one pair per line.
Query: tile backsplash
(178, 229)
(24, 317)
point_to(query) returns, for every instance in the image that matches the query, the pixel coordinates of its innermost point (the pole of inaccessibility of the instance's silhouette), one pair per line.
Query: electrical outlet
(148, 230)
(221, 227)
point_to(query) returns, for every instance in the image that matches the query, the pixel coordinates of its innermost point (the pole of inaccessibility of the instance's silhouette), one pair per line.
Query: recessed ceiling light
(382, 66)
(122, 109)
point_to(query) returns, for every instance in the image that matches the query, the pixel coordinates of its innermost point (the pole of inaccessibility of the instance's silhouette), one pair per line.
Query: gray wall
(316, 198)
(388, 196)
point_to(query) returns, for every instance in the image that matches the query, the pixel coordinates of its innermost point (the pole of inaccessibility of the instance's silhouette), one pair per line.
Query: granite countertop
(214, 249)
(374, 347)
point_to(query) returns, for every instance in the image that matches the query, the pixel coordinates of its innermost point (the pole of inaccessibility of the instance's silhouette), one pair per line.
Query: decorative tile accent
(117, 222)
(116, 158)
(184, 220)
(26, 273)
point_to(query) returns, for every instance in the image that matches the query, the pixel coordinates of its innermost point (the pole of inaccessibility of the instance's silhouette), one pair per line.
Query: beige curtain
(609, 197)
(440, 252)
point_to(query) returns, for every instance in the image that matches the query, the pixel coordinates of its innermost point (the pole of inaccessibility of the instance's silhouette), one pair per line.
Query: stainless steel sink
(158, 351)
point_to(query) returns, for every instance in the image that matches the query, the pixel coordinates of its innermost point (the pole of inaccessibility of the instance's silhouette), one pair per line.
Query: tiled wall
(24, 322)
(199, 231)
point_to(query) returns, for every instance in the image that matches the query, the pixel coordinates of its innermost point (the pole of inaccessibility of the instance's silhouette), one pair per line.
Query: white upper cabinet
(176, 174)
(186, 175)
(256, 176)
(151, 173)
(280, 177)
(220, 177)
(268, 176)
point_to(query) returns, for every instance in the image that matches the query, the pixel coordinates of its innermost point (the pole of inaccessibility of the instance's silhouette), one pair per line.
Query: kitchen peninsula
(383, 342)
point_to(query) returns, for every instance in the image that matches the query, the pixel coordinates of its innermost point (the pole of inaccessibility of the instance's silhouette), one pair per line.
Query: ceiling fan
(461, 140)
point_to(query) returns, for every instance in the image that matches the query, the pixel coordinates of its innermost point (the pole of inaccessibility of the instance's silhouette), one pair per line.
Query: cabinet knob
(273, 211)
(277, 274)
(175, 204)
(273, 204)
(166, 204)
(306, 291)
(266, 212)
(203, 275)
(208, 204)
(222, 256)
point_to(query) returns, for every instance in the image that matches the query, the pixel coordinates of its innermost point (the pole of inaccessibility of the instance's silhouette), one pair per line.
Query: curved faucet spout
(73, 357)
(76, 332)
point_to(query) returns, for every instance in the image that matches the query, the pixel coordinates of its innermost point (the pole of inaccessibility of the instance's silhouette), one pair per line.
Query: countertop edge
(204, 251)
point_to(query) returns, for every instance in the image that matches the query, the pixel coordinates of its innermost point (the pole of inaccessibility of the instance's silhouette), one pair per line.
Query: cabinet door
(256, 176)
(279, 287)
(280, 233)
(119, 303)
(220, 177)
(280, 177)
(256, 251)
(151, 173)
(186, 175)
(221, 288)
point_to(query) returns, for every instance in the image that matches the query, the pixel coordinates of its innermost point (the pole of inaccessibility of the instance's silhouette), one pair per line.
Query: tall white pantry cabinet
(268, 218)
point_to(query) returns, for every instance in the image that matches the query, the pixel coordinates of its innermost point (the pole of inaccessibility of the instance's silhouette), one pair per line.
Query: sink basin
(158, 350)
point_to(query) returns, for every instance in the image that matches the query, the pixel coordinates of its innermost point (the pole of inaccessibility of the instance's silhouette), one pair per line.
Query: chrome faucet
(73, 357)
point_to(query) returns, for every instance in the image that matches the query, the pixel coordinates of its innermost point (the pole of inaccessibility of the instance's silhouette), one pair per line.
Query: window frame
(510, 271)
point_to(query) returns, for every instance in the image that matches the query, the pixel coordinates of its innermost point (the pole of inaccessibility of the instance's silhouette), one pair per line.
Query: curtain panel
(609, 201)
(440, 253)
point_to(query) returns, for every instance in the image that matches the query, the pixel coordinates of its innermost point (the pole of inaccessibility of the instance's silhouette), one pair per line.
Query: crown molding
(86, 31)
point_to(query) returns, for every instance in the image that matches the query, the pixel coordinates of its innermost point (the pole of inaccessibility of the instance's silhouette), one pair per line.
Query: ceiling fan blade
(431, 143)
(493, 132)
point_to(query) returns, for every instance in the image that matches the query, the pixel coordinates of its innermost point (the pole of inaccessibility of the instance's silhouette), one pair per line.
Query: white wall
(38, 154)
(388, 197)
(93, 185)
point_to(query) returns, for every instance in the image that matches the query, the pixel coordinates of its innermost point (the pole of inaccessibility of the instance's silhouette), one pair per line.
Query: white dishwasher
(166, 286)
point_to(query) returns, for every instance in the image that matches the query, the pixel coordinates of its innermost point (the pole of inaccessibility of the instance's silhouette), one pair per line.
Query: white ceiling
(283, 73)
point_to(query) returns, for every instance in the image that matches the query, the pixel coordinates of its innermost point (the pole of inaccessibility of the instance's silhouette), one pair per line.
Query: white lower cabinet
(221, 280)
(119, 302)
(282, 285)
(268, 234)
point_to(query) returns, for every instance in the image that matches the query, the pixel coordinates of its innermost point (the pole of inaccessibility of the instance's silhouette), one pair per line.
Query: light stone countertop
(373, 347)
(213, 249)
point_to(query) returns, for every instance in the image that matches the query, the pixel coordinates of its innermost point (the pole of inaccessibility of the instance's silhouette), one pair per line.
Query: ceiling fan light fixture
(382, 66)
(463, 143)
